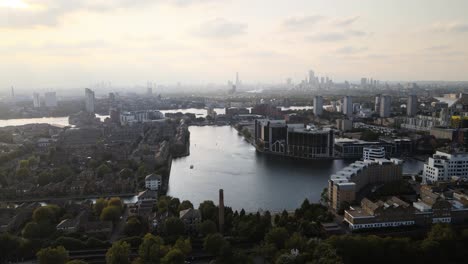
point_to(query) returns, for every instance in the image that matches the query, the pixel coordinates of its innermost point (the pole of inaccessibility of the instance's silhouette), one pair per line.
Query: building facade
(153, 182)
(348, 106)
(89, 101)
(412, 105)
(343, 185)
(294, 140)
(318, 105)
(443, 166)
(385, 106)
(373, 153)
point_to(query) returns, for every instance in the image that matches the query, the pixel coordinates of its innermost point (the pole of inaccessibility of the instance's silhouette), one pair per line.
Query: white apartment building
(153, 182)
(443, 166)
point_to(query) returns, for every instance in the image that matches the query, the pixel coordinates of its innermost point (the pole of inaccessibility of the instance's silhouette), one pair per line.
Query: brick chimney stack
(221, 211)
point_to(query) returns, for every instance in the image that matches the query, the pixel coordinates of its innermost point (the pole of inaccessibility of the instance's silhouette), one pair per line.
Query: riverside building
(294, 140)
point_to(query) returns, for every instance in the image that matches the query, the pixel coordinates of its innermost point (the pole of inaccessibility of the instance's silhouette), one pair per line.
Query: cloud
(455, 27)
(343, 22)
(357, 33)
(327, 37)
(49, 12)
(336, 36)
(221, 28)
(351, 50)
(438, 48)
(302, 21)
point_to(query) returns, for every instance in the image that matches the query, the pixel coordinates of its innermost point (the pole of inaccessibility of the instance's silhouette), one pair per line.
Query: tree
(115, 201)
(133, 227)
(152, 249)
(174, 204)
(24, 164)
(51, 255)
(44, 178)
(277, 236)
(118, 254)
(296, 241)
(22, 173)
(48, 213)
(174, 256)
(208, 227)
(34, 230)
(208, 210)
(174, 227)
(286, 259)
(102, 170)
(163, 206)
(183, 245)
(110, 213)
(326, 254)
(185, 205)
(32, 161)
(62, 173)
(100, 204)
(9, 246)
(126, 174)
(77, 262)
(441, 232)
(213, 244)
(70, 243)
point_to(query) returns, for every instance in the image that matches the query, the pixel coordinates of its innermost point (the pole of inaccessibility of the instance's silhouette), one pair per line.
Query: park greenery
(294, 237)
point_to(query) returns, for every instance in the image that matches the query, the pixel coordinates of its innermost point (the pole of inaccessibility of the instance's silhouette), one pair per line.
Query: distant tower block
(221, 211)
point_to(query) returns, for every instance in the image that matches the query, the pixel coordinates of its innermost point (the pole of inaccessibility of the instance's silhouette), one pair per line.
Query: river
(222, 159)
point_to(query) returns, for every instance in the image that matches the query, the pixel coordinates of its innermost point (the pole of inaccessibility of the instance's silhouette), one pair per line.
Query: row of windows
(390, 224)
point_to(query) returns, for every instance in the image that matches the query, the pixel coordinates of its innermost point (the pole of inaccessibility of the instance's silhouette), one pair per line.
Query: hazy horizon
(54, 43)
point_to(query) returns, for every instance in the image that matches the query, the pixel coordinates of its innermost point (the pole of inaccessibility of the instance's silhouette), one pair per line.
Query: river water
(222, 159)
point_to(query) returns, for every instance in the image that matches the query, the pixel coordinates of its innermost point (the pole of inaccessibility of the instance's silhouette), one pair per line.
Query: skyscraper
(318, 105)
(36, 100)
(311, 77)
(377, 103)
(363, 82)
(237, 80)
(412, 105)
(385, 105)
(89, 100)
(348, 106)
(50, 99)
(149, 89)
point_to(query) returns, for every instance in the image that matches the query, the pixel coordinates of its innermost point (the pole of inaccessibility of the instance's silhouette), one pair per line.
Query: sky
(75, 43)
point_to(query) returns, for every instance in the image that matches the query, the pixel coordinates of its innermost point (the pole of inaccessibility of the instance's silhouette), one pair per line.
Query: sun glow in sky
(63, 43)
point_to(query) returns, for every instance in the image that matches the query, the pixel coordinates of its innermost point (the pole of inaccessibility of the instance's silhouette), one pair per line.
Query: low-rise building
(191, 218)
(390, 213)
(441, 203)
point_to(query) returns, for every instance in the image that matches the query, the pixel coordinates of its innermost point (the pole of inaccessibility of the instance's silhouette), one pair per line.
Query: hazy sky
(73, 43)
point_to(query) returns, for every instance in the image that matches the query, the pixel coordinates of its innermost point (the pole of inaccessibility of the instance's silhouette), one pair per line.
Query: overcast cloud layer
(73, 43)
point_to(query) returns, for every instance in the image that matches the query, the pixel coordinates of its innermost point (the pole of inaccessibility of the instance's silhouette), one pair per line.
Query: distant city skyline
(53, 43)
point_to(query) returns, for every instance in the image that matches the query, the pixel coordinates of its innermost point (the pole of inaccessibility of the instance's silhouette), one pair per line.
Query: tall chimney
(221, 211)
